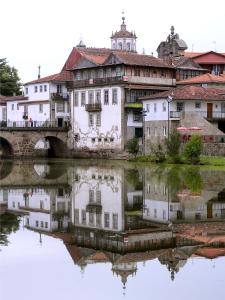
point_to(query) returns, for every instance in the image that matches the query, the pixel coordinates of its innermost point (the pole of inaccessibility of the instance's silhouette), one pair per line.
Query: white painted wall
(189, 106)
(111, 124)
(131, 122)
(109, 183)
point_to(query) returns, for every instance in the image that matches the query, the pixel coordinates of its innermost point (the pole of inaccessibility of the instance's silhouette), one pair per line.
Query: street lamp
(144, 114)
(169, 99)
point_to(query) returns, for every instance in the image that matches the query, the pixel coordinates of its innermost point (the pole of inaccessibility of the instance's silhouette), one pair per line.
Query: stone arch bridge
(21, 141)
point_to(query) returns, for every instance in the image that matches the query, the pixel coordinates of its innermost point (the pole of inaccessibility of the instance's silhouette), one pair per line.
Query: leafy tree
(193, 149)
(8, 223)
(132, 146)
(9, 79)
(173, 144)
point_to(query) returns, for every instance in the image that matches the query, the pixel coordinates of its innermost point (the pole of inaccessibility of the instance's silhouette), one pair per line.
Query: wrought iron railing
(60, 96)
(33, 124)
(204, 114)
(105, 80)
(93, 107)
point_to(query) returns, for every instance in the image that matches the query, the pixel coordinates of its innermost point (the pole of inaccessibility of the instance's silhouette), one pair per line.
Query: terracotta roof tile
(190, 92)
(62, 76)
(131, 58)
(15, 98)
(204, 78)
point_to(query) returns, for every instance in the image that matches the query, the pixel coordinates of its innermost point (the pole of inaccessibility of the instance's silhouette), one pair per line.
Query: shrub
(132, 146)
(193, 149)
(158, 153)
(173, 144)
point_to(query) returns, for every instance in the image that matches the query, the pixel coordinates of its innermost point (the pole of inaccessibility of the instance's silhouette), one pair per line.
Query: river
(95, 229)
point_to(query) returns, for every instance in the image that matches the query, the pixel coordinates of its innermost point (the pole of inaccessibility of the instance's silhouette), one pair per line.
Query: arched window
(120, 46)
(128, 47)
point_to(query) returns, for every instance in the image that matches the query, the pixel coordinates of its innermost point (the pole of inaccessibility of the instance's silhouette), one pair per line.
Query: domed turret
(123, 39)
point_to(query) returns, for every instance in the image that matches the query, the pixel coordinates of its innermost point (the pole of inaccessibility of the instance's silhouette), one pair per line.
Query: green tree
(193, 149)
(173, 144)
(132, 146)
(9, 79)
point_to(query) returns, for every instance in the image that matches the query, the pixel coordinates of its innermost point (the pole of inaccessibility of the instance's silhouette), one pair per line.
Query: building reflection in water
(121, 215)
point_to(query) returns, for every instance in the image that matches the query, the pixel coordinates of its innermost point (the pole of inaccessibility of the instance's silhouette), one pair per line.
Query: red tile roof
(130, 58)
(15, 98)
(190, 92)
(62, 76)
(211, 252)
(192, 54)
(204, 78)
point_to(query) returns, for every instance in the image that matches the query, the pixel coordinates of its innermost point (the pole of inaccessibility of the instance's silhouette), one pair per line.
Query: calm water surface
(111, 230)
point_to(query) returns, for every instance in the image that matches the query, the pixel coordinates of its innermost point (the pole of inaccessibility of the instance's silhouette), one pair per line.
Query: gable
(112, 59)
(189, 64)
(210, 58)
(85, 63)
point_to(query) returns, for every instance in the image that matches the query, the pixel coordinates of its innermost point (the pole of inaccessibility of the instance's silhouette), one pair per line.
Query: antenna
(39, 72)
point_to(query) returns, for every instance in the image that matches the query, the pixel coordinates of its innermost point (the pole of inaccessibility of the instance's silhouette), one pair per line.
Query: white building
(45, 103)
(105, 111)
(97, 199)
(3, 113)
(189, 107)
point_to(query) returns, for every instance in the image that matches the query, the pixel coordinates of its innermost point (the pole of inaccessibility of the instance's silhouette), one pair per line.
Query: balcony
(93, 107)
(59, 96)
(99, 81)
(209, 115)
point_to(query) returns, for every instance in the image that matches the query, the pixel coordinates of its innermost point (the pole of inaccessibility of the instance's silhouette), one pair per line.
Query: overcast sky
(43, 32)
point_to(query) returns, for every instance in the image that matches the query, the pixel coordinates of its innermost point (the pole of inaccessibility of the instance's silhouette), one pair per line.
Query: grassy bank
(204, 160)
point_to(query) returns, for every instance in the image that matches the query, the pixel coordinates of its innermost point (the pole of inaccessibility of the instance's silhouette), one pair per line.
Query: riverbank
(204, 160)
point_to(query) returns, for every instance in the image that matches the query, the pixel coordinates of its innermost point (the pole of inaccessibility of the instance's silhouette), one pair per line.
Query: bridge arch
(50, 146)
(6, 148)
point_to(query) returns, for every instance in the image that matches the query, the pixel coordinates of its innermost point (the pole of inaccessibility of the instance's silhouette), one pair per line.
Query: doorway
(60, 122)
(209, 110)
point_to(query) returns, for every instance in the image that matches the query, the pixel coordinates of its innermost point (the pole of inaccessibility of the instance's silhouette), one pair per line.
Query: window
(148, 107)
(106, 97)
(12, 107)
(98, 196)
(136, 71)
(78, 75)
(18, 106)
(76, 99)
(120, 46)
(155, 107)
(98, 220)
(76, 216)
(155, 131)
(41, 88)
(180, 106)
(45, 88)
(128, 46)
(40, 108)
(148, 131)
(93, 140)
(91, 195)
(197, 104)
(114, 96)
(26, 91)
(91, 120)
(59, 88)
(118, 71)
(35, 89)
(155, 213)
(91, 218)
(36, 223)
(90, 97)
(41, 204)
(42, 224)
(27, 221)
(164, 106)
(60, 107)
(98, 97)
(164, 214)
(164, 130)
(98, 119)
(46, 224)
(83, 216)
(83, 98)
(106, 220)
(137, 117)
(115, 221)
